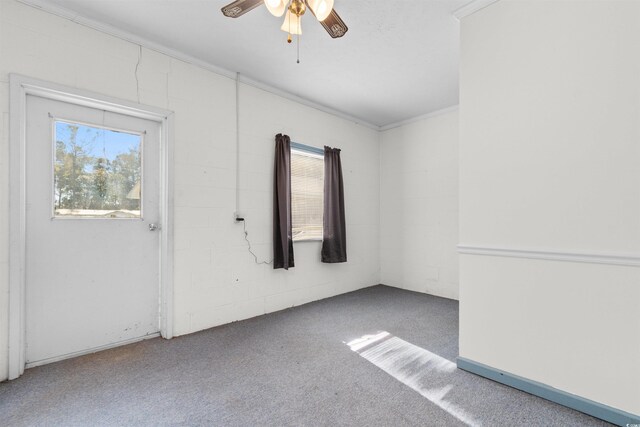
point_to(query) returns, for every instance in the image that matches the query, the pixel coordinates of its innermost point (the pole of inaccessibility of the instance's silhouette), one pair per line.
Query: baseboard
(595, 409)
(433, 294)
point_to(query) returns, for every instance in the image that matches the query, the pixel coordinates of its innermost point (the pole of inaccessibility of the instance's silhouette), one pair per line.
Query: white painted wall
(216, 280)
(419, 206)
(550, 160)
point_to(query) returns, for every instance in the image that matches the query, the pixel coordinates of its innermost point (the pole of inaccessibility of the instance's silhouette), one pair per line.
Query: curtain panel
(334, 235)
(282, 233)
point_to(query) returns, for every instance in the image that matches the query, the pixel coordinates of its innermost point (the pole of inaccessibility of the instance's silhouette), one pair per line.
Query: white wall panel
(419, 206)
(549, 161)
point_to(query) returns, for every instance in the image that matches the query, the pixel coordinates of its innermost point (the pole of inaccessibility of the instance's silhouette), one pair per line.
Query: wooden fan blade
(240, 7)
(334, 25)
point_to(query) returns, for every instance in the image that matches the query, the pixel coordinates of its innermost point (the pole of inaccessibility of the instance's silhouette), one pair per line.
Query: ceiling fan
(321, 9)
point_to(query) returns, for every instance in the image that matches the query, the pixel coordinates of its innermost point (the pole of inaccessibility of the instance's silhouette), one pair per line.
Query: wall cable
(236, 213)
(246, 237)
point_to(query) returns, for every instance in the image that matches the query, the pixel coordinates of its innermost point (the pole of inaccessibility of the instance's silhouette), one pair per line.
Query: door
(92, 214)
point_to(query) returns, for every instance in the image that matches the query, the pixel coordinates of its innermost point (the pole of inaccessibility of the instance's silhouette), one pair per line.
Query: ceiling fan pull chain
(289, 35)
(299, 33)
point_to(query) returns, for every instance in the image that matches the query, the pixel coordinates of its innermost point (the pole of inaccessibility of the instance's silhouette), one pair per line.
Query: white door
(92, 255)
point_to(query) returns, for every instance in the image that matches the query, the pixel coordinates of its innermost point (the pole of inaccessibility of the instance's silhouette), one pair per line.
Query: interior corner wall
(216, 280)
(550, 161)
(419, 206)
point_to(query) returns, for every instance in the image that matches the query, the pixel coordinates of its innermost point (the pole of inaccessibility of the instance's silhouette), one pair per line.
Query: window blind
(307, 192)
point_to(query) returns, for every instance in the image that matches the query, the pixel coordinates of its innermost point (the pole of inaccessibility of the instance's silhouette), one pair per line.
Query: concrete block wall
(216, 278)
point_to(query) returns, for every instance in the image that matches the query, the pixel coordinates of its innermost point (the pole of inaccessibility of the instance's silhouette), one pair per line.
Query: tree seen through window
(97, 172)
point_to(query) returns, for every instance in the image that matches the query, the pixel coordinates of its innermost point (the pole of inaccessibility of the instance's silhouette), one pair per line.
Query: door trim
(20, 87)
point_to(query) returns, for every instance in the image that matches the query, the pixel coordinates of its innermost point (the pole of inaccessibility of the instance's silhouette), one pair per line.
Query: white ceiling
(398, 60)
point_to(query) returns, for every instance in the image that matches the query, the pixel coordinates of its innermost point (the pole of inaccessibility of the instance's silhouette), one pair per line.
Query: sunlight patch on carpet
(421, 370)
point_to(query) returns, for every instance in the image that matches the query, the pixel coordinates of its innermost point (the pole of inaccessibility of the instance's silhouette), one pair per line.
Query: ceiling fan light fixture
(275, 7)
(291, 23)
(321, 8)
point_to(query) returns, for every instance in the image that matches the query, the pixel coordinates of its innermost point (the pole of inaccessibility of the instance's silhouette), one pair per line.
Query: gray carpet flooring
(376, 357)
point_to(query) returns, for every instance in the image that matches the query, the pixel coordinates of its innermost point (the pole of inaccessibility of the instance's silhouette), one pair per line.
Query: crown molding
(300, 100)
(471, 8)
(629, 260)
(149, 44)
(418, 118)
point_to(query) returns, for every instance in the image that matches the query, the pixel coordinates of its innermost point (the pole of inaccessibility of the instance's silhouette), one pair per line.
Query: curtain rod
(307, 148)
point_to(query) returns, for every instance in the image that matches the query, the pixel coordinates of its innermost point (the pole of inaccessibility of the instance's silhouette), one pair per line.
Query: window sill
(317, 239)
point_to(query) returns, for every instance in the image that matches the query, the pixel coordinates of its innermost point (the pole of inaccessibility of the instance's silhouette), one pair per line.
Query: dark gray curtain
(334, 235)
(282, 234)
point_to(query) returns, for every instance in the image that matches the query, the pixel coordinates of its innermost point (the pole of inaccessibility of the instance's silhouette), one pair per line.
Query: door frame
(20, 87)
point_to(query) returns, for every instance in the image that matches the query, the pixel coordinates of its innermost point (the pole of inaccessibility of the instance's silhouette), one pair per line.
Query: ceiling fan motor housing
(297, 7)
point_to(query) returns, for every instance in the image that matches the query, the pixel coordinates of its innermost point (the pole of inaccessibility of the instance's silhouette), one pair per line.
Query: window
(307, 191)
(96, 172)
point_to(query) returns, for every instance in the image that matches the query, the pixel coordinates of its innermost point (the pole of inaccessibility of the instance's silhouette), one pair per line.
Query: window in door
(97, 172)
